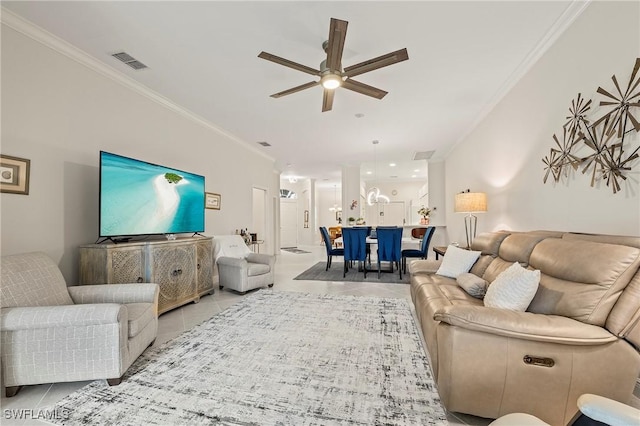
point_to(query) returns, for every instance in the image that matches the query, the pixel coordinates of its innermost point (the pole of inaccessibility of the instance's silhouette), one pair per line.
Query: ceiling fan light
(331, 81)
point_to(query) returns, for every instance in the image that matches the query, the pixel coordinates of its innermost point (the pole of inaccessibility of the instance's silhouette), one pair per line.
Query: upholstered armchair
(54, 333)
(239, 268)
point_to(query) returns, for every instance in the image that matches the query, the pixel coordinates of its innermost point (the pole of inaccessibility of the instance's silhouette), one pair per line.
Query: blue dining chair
(354, 241)
(420, 253)
(389, 247)
(330, 250)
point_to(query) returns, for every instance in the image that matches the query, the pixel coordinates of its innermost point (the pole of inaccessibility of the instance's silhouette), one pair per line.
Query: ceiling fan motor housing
(331, 73)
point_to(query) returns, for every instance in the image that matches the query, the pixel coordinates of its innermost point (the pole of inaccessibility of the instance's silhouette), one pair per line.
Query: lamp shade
(469, 202)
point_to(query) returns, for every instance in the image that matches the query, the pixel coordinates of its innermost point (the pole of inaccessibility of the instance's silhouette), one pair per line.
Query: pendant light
(335, 207)
(374, 195)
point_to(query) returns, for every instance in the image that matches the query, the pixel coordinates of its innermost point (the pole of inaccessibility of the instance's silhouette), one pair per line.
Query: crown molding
(61, 46)
(571, 13)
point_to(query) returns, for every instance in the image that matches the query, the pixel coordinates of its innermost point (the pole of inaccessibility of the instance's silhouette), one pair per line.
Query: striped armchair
(54, 333)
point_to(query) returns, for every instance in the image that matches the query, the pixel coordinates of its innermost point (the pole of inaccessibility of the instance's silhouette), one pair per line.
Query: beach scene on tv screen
(142, 198)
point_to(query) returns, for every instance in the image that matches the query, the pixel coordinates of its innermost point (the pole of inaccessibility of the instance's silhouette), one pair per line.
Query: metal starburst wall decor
(608, 139)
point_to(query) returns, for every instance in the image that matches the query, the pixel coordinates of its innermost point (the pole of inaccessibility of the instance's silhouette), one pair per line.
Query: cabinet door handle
(175, 273)
(198, 266)
(139, 279)
(179, 271)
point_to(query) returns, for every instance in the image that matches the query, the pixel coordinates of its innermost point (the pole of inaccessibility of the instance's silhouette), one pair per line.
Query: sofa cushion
(139, 315)
(518, 247)
(472, 284)
(513, 289)
(489, 242)
(32, 279)
(582, 279)
(601, 238)
(457, 261)
(254, 269)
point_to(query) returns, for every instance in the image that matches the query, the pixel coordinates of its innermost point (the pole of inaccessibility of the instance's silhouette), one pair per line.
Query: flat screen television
(140, 198)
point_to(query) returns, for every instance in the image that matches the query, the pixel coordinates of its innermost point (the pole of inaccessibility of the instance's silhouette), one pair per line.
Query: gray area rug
(277, 358)
(317, 273)
(295, 250)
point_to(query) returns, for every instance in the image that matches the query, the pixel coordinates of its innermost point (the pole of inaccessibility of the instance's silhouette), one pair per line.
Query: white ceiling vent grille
(129, 60)
(263, 143)
(423, 155)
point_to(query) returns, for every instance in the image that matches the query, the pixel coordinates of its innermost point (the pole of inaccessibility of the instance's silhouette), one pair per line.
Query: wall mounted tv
(140, 198)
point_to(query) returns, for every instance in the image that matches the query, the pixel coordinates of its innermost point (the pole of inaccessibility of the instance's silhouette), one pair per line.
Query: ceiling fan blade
(335, 46)
(295, 89)
(288, 63)
(375, 63)
(365, 89)
(327, 99)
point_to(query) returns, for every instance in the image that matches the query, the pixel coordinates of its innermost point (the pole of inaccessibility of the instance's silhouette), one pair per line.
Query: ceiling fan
(331, 73)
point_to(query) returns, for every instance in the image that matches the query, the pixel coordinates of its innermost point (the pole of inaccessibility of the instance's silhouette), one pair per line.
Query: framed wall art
(14, 175)
(212, 201)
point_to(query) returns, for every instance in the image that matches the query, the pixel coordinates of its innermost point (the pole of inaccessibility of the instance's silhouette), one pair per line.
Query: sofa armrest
(34, 317)
(265, 259)
(114, 293)
(608, 411)
(524, 325)
(231, 262)
(427, 266)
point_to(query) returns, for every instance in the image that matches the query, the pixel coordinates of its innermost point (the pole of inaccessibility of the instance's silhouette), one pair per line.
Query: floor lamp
(470, 202)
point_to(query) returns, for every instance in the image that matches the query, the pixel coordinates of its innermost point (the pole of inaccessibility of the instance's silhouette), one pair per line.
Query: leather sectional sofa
(580, 334)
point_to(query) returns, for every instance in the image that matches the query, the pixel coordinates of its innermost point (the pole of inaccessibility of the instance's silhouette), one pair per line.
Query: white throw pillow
(474, 285)
(457, 261)
(513, 289)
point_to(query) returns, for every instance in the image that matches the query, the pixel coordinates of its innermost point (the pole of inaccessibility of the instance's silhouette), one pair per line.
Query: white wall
(59, 114)
(437, 197)
(502, 156)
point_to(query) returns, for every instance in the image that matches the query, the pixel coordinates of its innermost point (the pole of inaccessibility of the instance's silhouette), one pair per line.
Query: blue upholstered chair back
(426, 240)
(355, 243)
(389, 244)
(325, 238)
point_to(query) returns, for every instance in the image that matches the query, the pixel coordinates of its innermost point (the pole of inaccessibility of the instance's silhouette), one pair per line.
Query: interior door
(288, 223)
(392, 214)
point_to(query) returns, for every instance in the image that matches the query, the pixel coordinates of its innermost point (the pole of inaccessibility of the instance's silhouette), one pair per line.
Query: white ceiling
(463, 56)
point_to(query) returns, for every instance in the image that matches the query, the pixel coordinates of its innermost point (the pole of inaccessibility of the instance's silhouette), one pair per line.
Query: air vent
(129, 60)
(263, 143)
(423, 155)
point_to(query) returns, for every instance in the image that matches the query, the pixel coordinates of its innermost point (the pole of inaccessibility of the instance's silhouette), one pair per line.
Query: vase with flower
(424, 212)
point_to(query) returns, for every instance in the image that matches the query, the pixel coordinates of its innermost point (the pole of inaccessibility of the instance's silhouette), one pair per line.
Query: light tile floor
(171, 324)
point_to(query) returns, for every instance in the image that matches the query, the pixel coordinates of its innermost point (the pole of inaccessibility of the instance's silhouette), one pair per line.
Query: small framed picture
(306, 218)
(212, 201)
(14, 175)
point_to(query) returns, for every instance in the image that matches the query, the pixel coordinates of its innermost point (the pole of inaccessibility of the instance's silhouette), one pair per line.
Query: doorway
(387, 214)
(288, 223)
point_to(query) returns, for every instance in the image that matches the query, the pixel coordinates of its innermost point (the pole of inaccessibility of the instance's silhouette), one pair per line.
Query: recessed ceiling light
(416, 170)
(392, 164)
(413, 176)
(369, 172)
